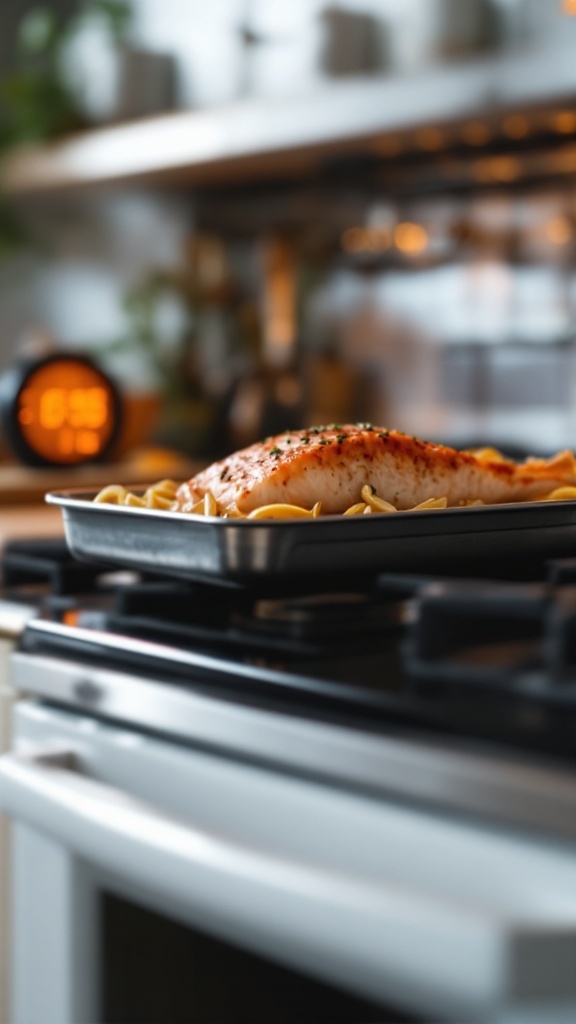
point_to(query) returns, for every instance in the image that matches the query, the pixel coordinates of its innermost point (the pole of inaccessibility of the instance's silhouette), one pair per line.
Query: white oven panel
(397, 905)
(7, 698)
(6, 702)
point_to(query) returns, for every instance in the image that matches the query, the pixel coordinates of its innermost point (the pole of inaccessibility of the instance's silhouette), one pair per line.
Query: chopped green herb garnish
(305, 440)
(320, 430)
(324, 440)
(341, 437)
(383, 433)
(275, 451)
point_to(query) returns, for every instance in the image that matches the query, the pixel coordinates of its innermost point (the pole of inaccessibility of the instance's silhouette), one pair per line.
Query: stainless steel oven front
(157, 880)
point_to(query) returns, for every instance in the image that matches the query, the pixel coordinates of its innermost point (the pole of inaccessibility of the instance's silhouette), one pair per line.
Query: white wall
(90, 252)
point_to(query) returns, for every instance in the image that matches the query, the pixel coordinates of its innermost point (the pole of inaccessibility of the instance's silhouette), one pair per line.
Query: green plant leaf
(39, 31)
(38, 106)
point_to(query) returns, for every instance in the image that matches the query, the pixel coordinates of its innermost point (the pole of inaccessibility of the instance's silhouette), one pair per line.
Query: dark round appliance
(61, 410)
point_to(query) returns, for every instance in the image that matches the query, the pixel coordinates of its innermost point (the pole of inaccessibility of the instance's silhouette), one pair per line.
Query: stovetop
(455, 691)
(486, 663)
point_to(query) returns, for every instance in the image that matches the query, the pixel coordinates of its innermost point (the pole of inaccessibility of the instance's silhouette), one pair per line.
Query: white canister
(425, 32)
(115, 82)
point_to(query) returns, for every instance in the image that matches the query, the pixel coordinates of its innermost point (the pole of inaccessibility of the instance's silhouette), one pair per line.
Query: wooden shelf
(266, 138)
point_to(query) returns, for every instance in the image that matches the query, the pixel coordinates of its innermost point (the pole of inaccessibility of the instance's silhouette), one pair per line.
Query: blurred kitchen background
(259, 214)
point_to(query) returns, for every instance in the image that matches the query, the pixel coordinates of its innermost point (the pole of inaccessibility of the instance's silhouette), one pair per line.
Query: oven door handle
(381, 937)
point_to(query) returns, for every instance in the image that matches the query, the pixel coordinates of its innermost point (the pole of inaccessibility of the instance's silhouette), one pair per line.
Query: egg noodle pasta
(162, 495)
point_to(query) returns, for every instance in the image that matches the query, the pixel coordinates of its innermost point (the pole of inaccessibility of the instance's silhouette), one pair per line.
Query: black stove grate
(488, 660)
(511, 637)
(47, 561)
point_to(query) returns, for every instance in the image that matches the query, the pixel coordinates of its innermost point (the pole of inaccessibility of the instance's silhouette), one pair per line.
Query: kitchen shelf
(255, 139)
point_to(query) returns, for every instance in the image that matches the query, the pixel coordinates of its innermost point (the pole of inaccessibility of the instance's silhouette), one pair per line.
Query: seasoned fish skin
(332, 465)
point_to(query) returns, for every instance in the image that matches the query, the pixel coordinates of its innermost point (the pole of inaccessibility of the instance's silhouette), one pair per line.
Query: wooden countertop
(20, 485)
(21, 522)
(24, 514)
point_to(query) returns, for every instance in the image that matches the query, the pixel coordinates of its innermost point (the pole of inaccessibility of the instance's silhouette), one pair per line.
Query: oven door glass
(156, 970)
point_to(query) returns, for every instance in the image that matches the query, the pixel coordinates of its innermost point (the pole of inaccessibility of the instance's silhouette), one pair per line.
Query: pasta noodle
(560, 494)
(285, 512)
(162, 495)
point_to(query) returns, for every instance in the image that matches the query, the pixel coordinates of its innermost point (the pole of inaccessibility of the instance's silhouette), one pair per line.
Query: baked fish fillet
(331, 465)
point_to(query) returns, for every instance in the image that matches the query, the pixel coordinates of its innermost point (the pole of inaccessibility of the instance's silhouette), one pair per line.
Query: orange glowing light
(569, 7)
(66, 411)
(516, 126)
(411, 239)
(87, 442)
(559, 230)
(476, 133)
(564, 122)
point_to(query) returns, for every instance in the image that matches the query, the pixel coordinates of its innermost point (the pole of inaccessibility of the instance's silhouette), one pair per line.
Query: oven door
(6, 702)
(159, 882)
(8, 697)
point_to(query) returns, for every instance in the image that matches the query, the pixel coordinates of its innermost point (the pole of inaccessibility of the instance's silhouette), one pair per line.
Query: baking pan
(230, 550)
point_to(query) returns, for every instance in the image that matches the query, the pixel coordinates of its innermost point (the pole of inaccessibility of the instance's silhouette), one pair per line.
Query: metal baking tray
(230, 550)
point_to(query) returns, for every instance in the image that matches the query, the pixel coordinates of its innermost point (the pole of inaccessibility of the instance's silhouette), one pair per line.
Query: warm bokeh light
(516, 126)
(388, 146)
(361, 239)
(569, 7)
(497, 168)
(288, 391)
(430, 139)
(559, 230)
(280, 301)
(475, 133)
(564, 161)
(564, 122)
(65, 412)
(410, 238)
(353, 239)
